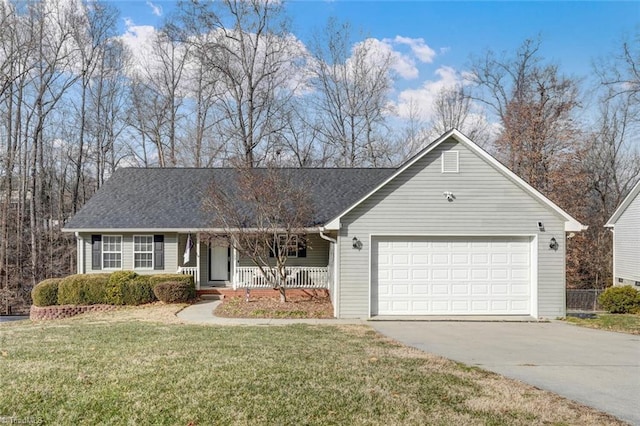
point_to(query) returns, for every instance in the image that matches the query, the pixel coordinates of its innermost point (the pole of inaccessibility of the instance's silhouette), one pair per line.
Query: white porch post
(234, 257)
(79, 254)
(197, 261)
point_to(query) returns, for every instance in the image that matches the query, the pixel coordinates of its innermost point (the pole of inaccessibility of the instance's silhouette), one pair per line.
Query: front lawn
(140, 366)
(625, 323)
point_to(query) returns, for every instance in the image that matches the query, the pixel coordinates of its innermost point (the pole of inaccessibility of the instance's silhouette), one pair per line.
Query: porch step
(211, 296)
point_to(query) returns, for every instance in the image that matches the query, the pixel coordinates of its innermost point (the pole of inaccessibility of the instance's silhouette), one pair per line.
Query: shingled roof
(171, 198)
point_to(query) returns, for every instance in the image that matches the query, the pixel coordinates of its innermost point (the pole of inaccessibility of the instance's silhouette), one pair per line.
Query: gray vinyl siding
(486, 203)
(170, 253)
(626, 240)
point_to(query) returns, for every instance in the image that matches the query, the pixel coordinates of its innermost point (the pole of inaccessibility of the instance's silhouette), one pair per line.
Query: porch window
(112, 252)
(143, 251)
(295, 248)
(291, 249)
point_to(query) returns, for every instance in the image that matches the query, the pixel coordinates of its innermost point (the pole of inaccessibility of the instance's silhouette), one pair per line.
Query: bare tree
(91, 33)
(534, 104)
(263, 216)
(248, 47)
(157, 95)
(610, 166)
(620, 72)
(352, 86)
(453, 109)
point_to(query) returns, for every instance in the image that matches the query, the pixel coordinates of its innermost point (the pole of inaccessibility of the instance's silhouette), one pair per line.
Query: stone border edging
(38, 313)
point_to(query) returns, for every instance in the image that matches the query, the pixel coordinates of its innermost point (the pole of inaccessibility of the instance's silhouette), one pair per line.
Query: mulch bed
(267, 307)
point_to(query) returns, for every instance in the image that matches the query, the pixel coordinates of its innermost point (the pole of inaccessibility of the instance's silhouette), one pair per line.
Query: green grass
(106, 369)
(625, 323)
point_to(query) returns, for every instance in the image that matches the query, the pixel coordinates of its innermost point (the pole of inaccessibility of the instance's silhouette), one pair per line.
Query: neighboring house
(625, 225)
(450, 232)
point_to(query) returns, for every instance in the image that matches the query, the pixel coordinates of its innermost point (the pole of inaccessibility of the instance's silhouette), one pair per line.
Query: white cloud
(379, 50)
(403, 60)
(139, 40)
(418, 47)
(421, 100)
(155, 9)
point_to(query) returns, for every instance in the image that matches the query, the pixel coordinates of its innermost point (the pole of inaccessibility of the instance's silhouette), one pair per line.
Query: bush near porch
(118, 288)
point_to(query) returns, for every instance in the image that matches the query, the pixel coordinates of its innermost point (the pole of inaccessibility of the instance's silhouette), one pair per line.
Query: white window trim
(103, 251)
(134, 253)
(442, 161)
(294, 238)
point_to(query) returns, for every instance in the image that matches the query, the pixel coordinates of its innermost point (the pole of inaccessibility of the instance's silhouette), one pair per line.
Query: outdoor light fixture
(449, 195)
(357, 244)
(553, 244)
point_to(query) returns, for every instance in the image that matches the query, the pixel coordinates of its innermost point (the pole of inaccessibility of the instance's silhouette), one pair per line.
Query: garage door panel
(440, 289)
(478, 289)
(420, 274)
(399, 274)
(453, 276)
(439, 274)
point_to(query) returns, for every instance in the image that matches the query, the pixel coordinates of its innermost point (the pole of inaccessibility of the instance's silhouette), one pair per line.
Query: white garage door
(451, 276)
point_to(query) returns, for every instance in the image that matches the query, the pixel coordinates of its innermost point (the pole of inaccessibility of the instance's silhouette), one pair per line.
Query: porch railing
(189, 270)
(296, 277)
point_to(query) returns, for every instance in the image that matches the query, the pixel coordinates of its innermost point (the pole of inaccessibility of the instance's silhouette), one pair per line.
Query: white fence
(296, 277)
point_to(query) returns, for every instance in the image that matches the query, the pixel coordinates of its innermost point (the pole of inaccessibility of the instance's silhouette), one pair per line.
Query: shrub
(115, 286)
(621, 300)
(138, 291)
(46, 292)
(83, 289)
(174, 291)
(163, 278)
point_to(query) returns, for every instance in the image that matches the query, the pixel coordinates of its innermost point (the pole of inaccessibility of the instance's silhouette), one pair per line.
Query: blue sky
(573, 34)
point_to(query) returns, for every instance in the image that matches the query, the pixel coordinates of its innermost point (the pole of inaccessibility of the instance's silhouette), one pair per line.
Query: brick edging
(65, 311)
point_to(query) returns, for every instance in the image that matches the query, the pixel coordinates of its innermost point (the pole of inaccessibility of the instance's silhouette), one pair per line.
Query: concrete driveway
(597, 368)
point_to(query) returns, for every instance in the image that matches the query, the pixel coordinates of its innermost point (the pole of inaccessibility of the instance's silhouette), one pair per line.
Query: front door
(219, 263)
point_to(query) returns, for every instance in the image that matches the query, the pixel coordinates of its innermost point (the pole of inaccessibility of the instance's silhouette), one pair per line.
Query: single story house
(450, 232)
(625, 225)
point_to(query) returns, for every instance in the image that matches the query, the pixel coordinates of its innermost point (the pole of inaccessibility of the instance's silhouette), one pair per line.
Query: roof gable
(571, 224)
(623, 206)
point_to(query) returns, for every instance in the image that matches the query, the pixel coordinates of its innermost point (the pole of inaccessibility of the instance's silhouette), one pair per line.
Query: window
(297, 246)
(291, 248)
(450, 162)
(111, 252)
(143, 252)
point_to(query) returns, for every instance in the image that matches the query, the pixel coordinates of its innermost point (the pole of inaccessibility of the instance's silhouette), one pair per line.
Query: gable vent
(450, 162)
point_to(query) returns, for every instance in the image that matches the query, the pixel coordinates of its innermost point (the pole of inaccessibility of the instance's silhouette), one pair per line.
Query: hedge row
(118, 288)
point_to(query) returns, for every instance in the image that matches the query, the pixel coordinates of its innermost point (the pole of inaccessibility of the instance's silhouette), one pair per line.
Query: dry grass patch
(623, 323)
(113, 368)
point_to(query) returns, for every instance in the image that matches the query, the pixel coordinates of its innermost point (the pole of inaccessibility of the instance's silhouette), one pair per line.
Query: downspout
(336, 309)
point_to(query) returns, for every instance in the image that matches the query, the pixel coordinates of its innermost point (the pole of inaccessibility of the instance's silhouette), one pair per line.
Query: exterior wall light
(357, 244)
(553, 244)
(449, 195)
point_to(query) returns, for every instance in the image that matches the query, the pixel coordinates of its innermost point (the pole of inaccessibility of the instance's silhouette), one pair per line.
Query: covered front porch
(214, 264)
